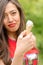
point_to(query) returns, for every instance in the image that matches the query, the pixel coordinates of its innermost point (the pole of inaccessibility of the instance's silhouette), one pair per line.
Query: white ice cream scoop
(29, 26)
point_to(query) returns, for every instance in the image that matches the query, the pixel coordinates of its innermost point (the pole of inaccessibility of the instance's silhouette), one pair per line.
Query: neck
(12, 35)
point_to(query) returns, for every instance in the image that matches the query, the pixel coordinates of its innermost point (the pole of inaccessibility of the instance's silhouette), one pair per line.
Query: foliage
(33, 10)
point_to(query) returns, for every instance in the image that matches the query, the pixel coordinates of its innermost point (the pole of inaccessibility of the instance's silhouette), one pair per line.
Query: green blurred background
(33, 10)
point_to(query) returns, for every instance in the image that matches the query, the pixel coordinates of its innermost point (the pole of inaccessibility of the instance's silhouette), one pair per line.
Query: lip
(12, 25)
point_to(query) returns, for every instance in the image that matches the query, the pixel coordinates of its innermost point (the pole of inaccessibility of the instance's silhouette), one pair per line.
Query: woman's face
(11, 18)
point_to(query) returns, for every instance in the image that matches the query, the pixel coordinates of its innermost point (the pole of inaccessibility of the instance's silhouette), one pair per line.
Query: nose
(10, 18)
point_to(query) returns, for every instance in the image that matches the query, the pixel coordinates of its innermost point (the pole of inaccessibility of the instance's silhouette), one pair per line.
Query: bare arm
(18, 60)
(24, 44)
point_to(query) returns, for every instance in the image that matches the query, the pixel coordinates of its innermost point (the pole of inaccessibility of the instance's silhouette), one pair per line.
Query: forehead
(10, 7)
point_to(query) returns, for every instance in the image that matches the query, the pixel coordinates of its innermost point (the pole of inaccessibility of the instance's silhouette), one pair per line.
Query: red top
(12, 47)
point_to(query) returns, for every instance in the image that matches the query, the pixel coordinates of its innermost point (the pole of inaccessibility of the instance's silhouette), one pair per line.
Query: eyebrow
(10, 11)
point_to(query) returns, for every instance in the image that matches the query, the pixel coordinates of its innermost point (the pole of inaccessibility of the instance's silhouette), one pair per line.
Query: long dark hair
(3, 31)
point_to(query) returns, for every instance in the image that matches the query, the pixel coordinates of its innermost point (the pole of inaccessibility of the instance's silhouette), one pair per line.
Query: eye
(13, 13)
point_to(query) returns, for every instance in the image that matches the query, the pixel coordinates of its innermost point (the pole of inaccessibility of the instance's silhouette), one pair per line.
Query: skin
(25, 43)
(1, 62)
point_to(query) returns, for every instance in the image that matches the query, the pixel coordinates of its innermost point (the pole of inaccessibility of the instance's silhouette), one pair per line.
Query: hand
(25, 42)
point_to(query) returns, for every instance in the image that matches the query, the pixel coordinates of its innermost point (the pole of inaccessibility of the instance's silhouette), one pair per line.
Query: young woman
(12, 25)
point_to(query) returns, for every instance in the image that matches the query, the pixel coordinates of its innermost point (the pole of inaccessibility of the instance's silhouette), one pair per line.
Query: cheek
(4, 21)
(17, 17)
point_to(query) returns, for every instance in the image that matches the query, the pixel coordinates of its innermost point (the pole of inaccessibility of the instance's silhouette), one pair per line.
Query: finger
(27, 37)
(22, 34)
(29, 47)
(33, 37)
